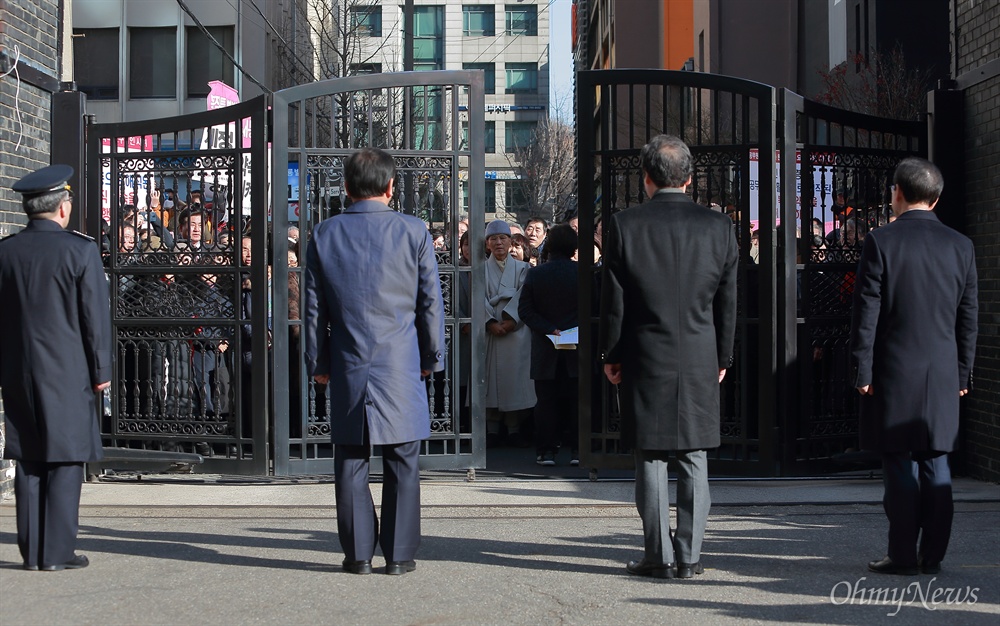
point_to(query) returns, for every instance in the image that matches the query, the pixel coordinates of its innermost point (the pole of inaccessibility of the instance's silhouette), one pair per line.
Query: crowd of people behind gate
(666, 339)
(184, 260)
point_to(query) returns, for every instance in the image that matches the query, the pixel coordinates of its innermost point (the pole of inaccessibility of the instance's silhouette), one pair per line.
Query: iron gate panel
(728, 123)
(847, 162)
(432, 123)
(174, 298)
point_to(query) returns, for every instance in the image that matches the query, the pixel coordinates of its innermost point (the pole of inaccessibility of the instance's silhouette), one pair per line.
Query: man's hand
(154, 199)
(867, 390)
(102, 386)
(223, 346)
(322, 378)
(963, 392)
(508, 326)
(614, 372)
(495, 328)
(722, 374)
(425, 373)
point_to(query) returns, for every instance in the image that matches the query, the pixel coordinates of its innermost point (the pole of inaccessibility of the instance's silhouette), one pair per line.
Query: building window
(205, 61)
(522, 20)
(478, 20)
(152, 63)
(428, 38)
(516, 196)
(367, 21)
(98, 80)
(518, 135)
(522, 77)
(489, 74)
(490, 200)
(359, 69)
(489, 137)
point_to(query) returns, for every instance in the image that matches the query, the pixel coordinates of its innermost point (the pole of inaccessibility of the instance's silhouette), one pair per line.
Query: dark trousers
(918, 503)
(48, 511)
(555, 411)
(357, 523)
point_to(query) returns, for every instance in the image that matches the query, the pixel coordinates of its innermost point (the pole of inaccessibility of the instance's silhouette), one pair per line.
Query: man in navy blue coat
(374, 327)
(913, 340)
(55, 357)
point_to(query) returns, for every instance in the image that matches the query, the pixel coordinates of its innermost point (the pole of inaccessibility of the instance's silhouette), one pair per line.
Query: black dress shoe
(357, 567)
(78, 561)
(929, 568)
(396, 568)
(688, 570)
(654, 570)
(887, 566)
(30, 568)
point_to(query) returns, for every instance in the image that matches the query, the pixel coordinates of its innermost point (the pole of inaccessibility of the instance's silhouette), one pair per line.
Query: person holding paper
(548, 306)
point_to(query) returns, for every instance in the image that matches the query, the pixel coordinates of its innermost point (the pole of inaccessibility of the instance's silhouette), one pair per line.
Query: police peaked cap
(43, 181)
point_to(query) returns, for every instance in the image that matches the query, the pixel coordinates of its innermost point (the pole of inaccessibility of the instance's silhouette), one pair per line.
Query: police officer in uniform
(55, 357)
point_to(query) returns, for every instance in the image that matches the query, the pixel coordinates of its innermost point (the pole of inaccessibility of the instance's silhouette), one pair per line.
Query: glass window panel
(478, 20)
(489, 137)
(367, 21)
(522, 20)
(490, 202)
(98, 80)
(489, 74)
(205, 62)
(522, 77)
(152, 63)
(518, 135)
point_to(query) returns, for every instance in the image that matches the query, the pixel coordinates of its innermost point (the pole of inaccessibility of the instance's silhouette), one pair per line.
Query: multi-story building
(140, 60)
(508, 42)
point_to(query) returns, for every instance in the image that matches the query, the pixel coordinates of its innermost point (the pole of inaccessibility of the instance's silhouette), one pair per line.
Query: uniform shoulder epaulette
(85, 236)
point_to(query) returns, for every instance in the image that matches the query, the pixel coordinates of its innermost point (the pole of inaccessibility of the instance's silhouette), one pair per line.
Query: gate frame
(256, 111)
(797, 113)
(282, 101)
(767, 321)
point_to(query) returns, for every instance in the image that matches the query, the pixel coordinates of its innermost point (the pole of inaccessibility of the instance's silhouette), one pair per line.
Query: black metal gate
(433, 124)
(729, 124)
(842, 172)
(176, 196)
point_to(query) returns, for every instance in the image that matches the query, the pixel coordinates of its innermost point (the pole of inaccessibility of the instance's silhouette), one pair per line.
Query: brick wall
(979, 29)
(24, 117)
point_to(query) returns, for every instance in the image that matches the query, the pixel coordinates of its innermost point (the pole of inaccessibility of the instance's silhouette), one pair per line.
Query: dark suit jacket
(549, 302)
(913, 333)
(668, 316)
(55, 343)
(374, 318)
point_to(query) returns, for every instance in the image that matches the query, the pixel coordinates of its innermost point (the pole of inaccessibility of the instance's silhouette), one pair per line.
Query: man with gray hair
(666, 337)
(55, 358)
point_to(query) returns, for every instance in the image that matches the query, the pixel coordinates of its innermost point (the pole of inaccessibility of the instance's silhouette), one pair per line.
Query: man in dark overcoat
(374, 329)
(913, 340)
(668, 322)
(548, 305)
(55, 357)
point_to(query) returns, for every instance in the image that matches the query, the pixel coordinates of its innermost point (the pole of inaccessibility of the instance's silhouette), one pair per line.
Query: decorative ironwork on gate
(730, 126)
(846, 161)
(170, 199)
(432, 123)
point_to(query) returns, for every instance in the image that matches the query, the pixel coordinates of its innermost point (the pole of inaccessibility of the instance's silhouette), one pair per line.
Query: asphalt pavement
(172, 549)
